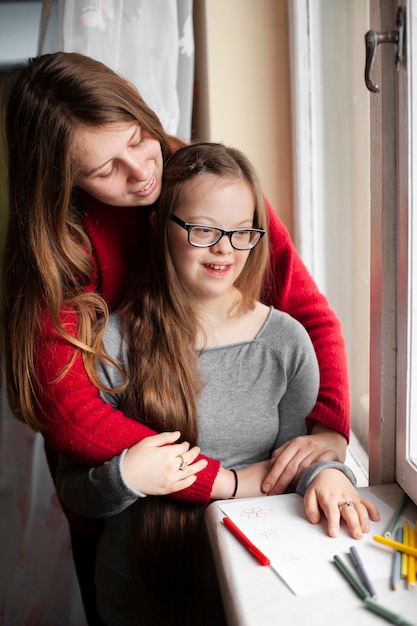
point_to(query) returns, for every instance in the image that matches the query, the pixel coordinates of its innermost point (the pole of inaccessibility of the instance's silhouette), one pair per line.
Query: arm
(150, 467)
(79, 424)
(113, 486)
(291, 289)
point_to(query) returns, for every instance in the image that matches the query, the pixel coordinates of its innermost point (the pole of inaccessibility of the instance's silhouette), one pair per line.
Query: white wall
(243, 88)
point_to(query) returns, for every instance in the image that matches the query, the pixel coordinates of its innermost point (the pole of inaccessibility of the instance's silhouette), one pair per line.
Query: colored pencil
(411, 574)
(396, 515)
(246, 542)
(397, 561)
(351, 577)
(404, 557)
(396, 545)
(389, 615)
(361, 571)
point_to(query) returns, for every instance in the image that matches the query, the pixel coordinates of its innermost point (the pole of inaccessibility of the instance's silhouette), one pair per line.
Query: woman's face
(121, 164)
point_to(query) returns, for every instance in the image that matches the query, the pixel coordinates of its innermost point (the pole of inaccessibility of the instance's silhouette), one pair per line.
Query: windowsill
(358, 461)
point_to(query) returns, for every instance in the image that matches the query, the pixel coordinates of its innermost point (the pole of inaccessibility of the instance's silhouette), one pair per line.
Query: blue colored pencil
(397, 560)
(360, 569)
(351, 577)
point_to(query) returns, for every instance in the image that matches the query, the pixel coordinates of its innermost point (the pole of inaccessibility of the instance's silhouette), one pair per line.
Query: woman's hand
(329, 492)
(323, 444)
(152, 466)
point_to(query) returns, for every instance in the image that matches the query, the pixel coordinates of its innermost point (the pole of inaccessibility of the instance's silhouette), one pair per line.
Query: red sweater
(79, 424)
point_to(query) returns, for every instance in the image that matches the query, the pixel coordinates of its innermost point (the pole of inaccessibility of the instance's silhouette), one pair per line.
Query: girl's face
(211, 201)
(121, 164)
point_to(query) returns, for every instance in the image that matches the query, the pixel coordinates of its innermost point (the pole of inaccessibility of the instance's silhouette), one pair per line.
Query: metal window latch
(372, 39)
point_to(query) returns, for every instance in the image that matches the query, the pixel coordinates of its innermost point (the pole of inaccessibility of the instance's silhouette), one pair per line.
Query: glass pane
(406, 458)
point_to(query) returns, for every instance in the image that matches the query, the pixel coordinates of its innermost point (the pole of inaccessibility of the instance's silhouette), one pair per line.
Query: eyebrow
(99, 167)
(205, 221)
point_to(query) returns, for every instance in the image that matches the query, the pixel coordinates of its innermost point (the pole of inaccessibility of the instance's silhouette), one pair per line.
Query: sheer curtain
(151, 43)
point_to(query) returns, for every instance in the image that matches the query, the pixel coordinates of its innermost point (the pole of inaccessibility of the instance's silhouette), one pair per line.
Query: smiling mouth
(148, 186)
(217, 267)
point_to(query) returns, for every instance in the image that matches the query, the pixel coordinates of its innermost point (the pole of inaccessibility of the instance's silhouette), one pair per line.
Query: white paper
(302, 553)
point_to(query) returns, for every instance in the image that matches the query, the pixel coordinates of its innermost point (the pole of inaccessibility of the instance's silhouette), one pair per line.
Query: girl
(85, 157)
(198, 352)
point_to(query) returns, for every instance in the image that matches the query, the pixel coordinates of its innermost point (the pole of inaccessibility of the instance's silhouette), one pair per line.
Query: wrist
(224, 485)
(234, 494)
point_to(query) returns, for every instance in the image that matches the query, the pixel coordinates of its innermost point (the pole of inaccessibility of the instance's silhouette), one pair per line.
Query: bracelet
(236, 485)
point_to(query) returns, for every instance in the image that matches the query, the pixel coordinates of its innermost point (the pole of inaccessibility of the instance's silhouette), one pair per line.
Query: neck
(223, 323)
(217, 310)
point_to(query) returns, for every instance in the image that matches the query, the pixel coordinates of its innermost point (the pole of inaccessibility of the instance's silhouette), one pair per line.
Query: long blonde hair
(47, 258)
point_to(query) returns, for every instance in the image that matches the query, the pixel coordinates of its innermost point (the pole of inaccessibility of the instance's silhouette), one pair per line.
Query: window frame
(406, 426)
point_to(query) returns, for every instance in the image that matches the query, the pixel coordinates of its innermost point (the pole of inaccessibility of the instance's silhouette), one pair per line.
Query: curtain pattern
(149, 42)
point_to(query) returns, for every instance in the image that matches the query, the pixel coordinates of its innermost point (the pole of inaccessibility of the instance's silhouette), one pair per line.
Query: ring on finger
(184, 464)
(345, 504)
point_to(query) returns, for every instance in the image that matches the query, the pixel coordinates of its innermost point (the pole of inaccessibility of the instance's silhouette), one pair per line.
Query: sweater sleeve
(310, 473)
(96, 492)
(78, 423)
(290, 288)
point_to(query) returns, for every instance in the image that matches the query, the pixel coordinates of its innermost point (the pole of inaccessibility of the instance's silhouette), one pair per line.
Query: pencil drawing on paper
(255, 512)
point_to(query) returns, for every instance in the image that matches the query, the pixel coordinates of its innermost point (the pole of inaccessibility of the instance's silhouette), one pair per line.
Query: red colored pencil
(259, 556)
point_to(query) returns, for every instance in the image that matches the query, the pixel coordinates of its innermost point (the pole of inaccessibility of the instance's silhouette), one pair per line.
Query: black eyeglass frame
(229, 233)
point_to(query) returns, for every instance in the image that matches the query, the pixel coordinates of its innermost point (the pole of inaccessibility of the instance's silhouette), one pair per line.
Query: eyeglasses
(202, 236)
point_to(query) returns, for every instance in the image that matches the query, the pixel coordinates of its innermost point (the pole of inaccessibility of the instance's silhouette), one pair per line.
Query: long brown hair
(47, 257)
(159, 317)
(165, 382)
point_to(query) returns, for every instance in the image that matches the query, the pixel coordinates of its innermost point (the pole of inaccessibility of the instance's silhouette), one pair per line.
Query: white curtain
(37, 578)
(149, 42)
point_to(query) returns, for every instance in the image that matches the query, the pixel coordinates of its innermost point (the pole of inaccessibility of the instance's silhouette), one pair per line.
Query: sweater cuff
(118, 460)
(200, 491)
(310, 473)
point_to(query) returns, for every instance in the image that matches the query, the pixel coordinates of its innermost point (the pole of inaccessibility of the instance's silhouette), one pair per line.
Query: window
(406, 448)
(332, 164)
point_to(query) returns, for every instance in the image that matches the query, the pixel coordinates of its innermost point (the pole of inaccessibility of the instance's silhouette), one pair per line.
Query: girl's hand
(328, 492)
(152, 466)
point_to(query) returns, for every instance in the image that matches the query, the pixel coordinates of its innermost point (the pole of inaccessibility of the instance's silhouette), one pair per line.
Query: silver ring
(184, 464)
(345, 504)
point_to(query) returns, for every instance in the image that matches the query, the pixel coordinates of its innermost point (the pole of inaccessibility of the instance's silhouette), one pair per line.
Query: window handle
(372, 39)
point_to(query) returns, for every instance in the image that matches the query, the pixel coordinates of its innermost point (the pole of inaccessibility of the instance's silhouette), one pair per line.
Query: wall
(19, 25)
(243, 88)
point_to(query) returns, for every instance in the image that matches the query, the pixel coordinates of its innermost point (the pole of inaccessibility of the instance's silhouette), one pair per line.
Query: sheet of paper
(302, 553)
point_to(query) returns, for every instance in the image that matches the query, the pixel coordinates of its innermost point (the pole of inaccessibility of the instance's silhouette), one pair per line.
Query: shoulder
(287, 339)
(285, 324)
(113, 336)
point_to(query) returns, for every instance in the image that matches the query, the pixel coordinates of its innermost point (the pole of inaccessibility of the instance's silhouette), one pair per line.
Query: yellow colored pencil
(411, 574)
(396, 545)
(415, 545)
(404, 559)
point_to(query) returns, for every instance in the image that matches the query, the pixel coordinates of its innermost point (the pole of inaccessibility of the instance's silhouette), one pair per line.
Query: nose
(223, 246)
(137, 170)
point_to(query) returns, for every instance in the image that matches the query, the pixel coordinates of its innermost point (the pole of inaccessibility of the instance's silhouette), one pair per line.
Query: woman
(202, 355)
(85, 157)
